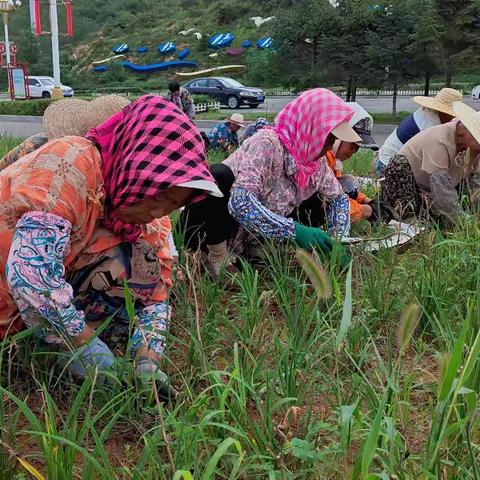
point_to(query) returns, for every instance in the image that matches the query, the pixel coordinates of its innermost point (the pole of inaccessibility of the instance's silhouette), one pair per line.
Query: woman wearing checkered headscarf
(82, 216)
(275, 171)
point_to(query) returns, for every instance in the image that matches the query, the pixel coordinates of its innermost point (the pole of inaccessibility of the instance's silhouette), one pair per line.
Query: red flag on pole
(38, 20)
(68, 6)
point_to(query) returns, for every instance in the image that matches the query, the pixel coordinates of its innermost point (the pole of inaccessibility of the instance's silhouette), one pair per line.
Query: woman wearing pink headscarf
(82, 217)
(272, 174)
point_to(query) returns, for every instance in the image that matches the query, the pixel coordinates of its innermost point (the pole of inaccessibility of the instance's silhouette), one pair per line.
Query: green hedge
(203, 98)
(24, 107)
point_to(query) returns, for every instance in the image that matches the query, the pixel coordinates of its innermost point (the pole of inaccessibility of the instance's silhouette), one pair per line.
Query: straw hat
(469, 117)
(237, 119)
(442, 102)
(72, 116)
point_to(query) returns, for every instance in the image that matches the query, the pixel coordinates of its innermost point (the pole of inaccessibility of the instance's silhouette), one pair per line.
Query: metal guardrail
(361, 92)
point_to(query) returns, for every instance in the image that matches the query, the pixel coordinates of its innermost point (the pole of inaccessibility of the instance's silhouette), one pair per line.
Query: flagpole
(57, 90)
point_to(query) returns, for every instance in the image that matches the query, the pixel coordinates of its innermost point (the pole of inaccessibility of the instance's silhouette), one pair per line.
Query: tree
(388, 44)
(425, 40)
(346, 45)
(459, 40)
(304, 20)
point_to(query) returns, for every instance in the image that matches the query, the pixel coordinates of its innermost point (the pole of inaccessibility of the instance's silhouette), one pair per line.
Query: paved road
(371, 104)
(20, 126)
(26, 126)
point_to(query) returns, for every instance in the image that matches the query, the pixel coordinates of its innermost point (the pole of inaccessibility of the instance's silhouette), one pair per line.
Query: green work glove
(310, 238)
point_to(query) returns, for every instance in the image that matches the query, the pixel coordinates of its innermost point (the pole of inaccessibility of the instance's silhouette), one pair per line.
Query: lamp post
(5, 8)
(57, 89)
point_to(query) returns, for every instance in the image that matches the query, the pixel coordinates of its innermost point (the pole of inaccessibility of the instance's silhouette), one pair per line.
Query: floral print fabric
(62, 308)
(263, 167)
(63, 178)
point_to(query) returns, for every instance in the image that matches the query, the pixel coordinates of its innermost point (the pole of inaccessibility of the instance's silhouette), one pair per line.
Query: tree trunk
(349, 88)
(354, 90)
(316, 51)
(426, 93)
(448, 79)
(449, 73)
(394, 102)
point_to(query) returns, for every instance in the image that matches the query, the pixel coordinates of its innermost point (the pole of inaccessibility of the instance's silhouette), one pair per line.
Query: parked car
(227, 91)
(476, 92)
(42, 87)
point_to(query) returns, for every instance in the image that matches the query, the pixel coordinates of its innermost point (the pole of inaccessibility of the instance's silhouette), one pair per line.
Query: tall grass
(297, 372)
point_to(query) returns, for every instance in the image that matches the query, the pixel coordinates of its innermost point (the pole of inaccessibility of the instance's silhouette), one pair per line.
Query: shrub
(25, 107)
(203, 99)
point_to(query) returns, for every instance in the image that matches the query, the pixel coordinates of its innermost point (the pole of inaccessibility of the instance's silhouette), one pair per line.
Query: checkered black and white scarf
(146, 148)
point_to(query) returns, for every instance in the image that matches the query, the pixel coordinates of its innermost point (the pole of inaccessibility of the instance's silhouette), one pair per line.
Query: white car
(476, 92)
(42, 87)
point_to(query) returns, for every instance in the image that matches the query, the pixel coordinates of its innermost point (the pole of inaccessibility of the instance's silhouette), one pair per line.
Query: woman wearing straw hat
(225, 135)
(435, 111)
(426, 175)
(80, 217)
(65, 117)
(273, 172)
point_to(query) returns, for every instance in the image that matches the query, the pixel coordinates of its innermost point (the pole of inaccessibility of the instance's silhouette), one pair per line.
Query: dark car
(227, 91)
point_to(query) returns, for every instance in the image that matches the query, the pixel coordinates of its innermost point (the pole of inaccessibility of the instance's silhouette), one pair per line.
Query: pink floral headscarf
(304, 125)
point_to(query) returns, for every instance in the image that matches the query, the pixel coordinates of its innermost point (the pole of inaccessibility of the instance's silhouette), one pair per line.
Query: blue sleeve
(338, 216)
(36, 274)
(255, 218)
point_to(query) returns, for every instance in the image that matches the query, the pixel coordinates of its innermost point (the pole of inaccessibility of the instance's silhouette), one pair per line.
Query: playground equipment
(142, 50)
(183, 54)
(221, 40)
(247, 44)
(265, 42)
(120, 48)
(166, 47)
(212, 71)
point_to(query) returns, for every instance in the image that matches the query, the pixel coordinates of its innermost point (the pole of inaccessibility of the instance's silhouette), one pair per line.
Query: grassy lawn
(372, 375)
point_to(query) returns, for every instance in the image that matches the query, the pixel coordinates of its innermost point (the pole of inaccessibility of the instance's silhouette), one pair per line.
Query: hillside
(99, 26)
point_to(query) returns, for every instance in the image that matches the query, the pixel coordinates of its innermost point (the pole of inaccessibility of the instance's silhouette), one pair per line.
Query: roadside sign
(18, 80)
